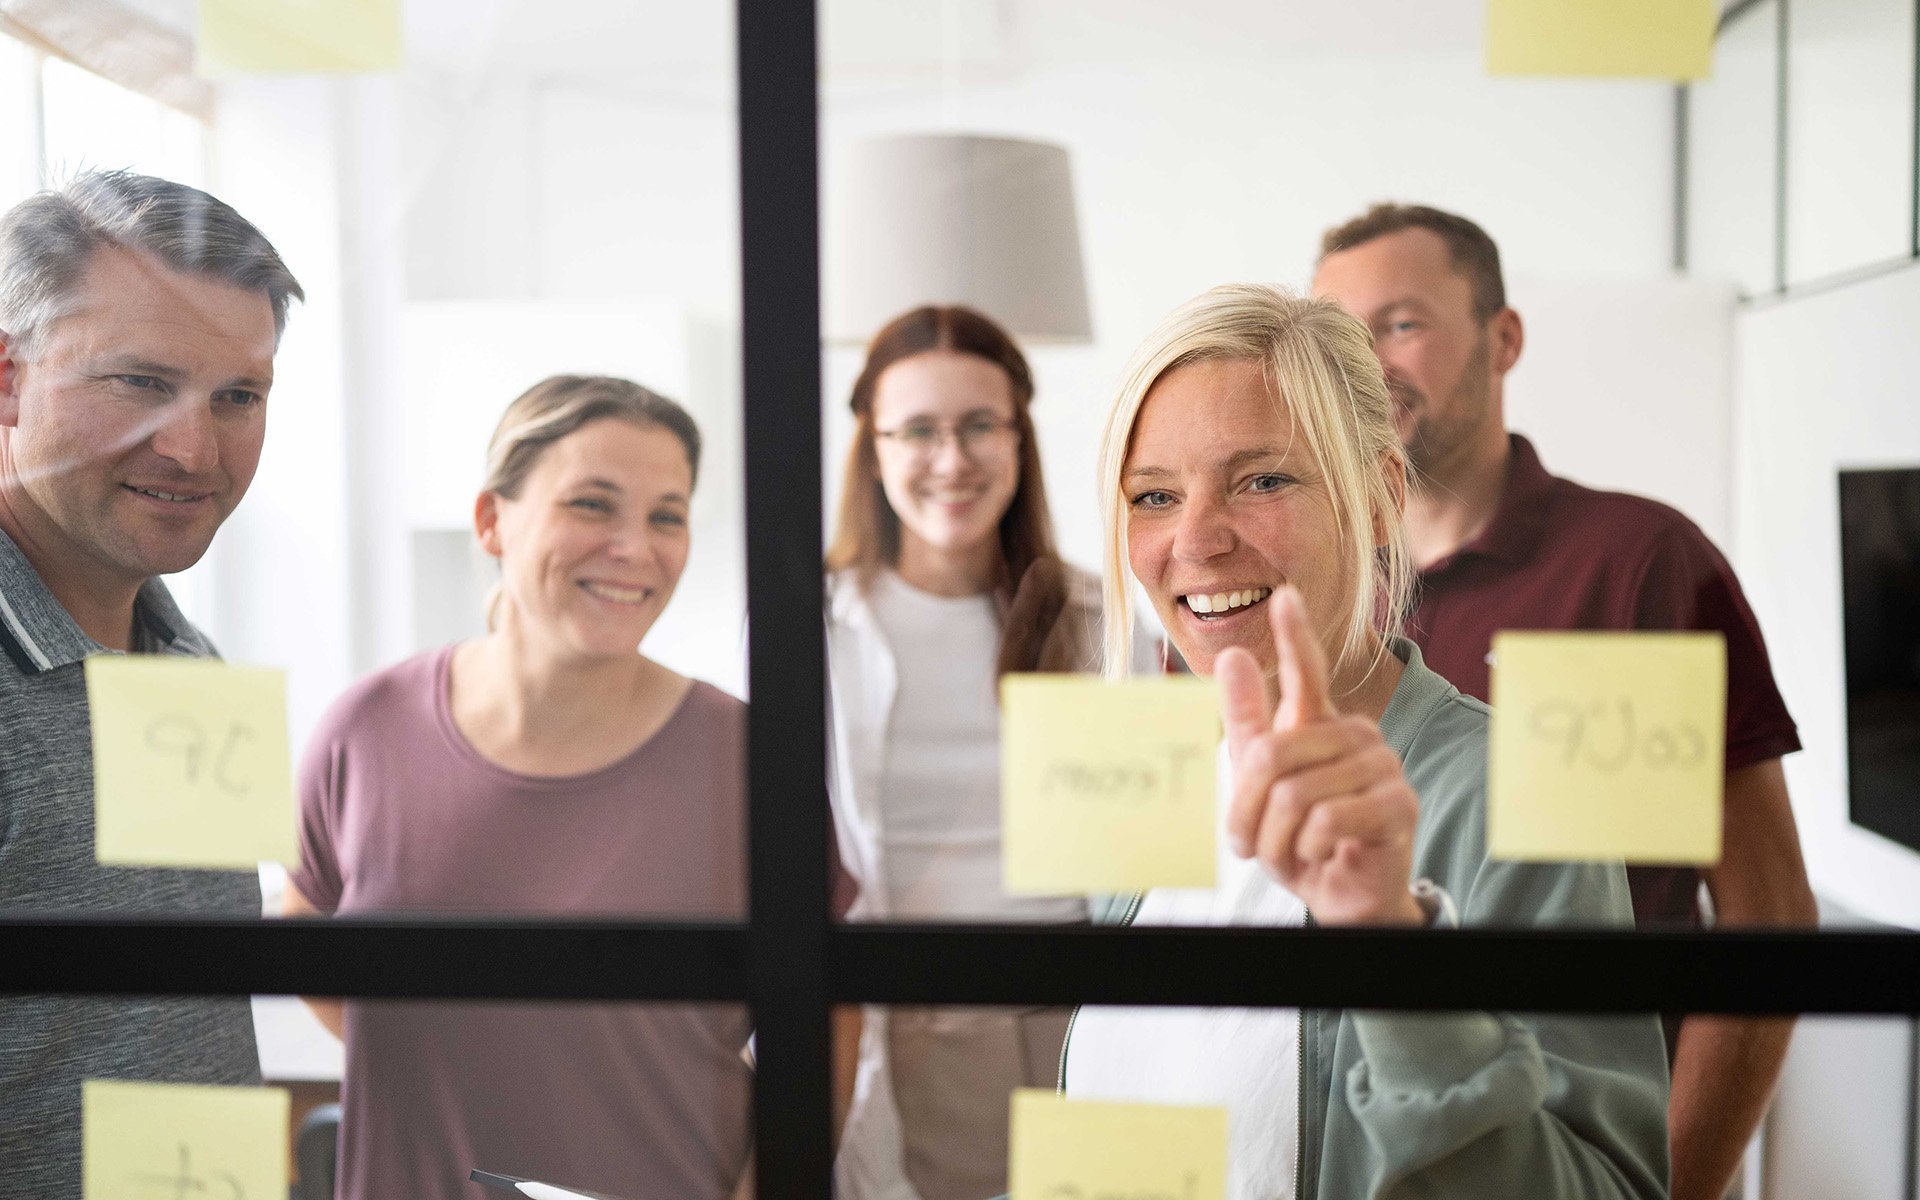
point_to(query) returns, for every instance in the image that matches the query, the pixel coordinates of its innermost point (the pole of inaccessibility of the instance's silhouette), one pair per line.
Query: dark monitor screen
(1880, 574)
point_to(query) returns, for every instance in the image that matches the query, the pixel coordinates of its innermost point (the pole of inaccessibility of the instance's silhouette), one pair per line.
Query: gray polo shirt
(49, 1044)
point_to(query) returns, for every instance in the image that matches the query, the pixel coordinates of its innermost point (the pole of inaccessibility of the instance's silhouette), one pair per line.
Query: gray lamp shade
(955, 219)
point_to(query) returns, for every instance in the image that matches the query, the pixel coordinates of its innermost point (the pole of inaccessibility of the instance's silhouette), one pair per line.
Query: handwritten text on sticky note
(190, 762)
(1645, 39)
(298, 36)
(1062, 1149)
(1107, 786)
(1607, 746)
(165, 1140)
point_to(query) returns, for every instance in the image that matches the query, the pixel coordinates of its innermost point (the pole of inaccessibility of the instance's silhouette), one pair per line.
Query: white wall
(280, 571)
(1200, 156)
(1203, 155)
(583, 229)
(1824, 382)
(1629, 385)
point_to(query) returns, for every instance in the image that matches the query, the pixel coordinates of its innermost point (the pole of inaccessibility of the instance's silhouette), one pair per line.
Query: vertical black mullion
(1680, 152)
(786, 739)
(1780, 24)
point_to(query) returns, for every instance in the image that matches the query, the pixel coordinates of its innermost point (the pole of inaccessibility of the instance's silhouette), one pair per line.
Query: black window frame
(789, 962)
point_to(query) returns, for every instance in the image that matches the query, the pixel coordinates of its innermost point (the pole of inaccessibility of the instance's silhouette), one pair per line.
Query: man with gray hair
(138, 324)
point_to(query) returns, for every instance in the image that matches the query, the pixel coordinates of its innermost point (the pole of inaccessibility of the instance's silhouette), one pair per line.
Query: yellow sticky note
(1607, 746)
(1641, 39)
(1062, 1149)
(190, 762)
(166, 1139)
(239, 37)
(1106, 786)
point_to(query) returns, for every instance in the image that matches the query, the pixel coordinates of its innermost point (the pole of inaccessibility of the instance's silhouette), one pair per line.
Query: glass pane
(467, 640)
(1732, 134)
(963, 164)
(1849, 135)
(490, 249)
(622, 1100)
(1384, 1091)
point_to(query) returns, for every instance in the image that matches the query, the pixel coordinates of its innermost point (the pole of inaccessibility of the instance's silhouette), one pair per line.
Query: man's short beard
(1434, 441)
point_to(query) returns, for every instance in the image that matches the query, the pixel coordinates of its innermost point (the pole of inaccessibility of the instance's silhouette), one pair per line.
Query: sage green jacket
(1480, 1106)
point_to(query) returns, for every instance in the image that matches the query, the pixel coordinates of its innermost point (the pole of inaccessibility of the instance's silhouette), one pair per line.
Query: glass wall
(1188, 628)
(434, 709)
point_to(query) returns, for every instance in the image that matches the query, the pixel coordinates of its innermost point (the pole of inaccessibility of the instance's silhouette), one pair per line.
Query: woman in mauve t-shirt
(544, 768)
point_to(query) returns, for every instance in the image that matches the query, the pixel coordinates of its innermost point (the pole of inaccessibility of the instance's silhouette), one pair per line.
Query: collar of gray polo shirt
(38, 634)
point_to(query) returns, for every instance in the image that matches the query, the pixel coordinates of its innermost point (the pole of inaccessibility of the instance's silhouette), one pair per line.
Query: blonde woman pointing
(1252, 485)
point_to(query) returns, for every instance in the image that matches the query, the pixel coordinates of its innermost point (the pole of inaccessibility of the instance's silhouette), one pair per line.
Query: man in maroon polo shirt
(1502, 544)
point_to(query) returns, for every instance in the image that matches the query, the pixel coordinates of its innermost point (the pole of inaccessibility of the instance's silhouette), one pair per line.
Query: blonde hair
(1320, 367)
(560, 405)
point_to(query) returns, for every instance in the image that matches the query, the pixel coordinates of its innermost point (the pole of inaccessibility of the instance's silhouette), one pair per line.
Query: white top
(940, 772)
(865, 665)
(1247, 1059)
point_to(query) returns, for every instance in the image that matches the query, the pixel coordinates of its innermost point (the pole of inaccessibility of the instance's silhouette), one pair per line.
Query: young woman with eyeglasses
(942, 576)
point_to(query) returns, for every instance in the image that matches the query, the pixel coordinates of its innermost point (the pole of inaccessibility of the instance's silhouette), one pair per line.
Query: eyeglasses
(981, 438)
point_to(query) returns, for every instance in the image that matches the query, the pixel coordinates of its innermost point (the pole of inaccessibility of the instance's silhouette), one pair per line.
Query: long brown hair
(1033, 587)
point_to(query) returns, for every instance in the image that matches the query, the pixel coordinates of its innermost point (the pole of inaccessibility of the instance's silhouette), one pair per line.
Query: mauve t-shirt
(399, 814)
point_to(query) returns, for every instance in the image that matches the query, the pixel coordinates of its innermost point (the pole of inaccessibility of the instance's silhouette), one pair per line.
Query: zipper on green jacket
(1300, 1069)
(1060, 1081)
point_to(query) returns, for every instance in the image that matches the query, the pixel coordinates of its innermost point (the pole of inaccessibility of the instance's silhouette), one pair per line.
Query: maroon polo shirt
(1557, 555)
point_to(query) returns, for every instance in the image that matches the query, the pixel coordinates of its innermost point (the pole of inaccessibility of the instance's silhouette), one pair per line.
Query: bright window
(93, 122)
(19, 124)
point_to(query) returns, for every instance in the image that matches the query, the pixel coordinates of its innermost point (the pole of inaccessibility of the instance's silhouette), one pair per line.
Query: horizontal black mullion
(1536, 970)
(1523, 970)
(454, 959)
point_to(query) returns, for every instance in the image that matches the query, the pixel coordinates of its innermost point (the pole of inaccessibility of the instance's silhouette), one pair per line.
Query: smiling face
(136, 426)
(949, 496)
(592, 547)
(1224, 504)
(1437, 353)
